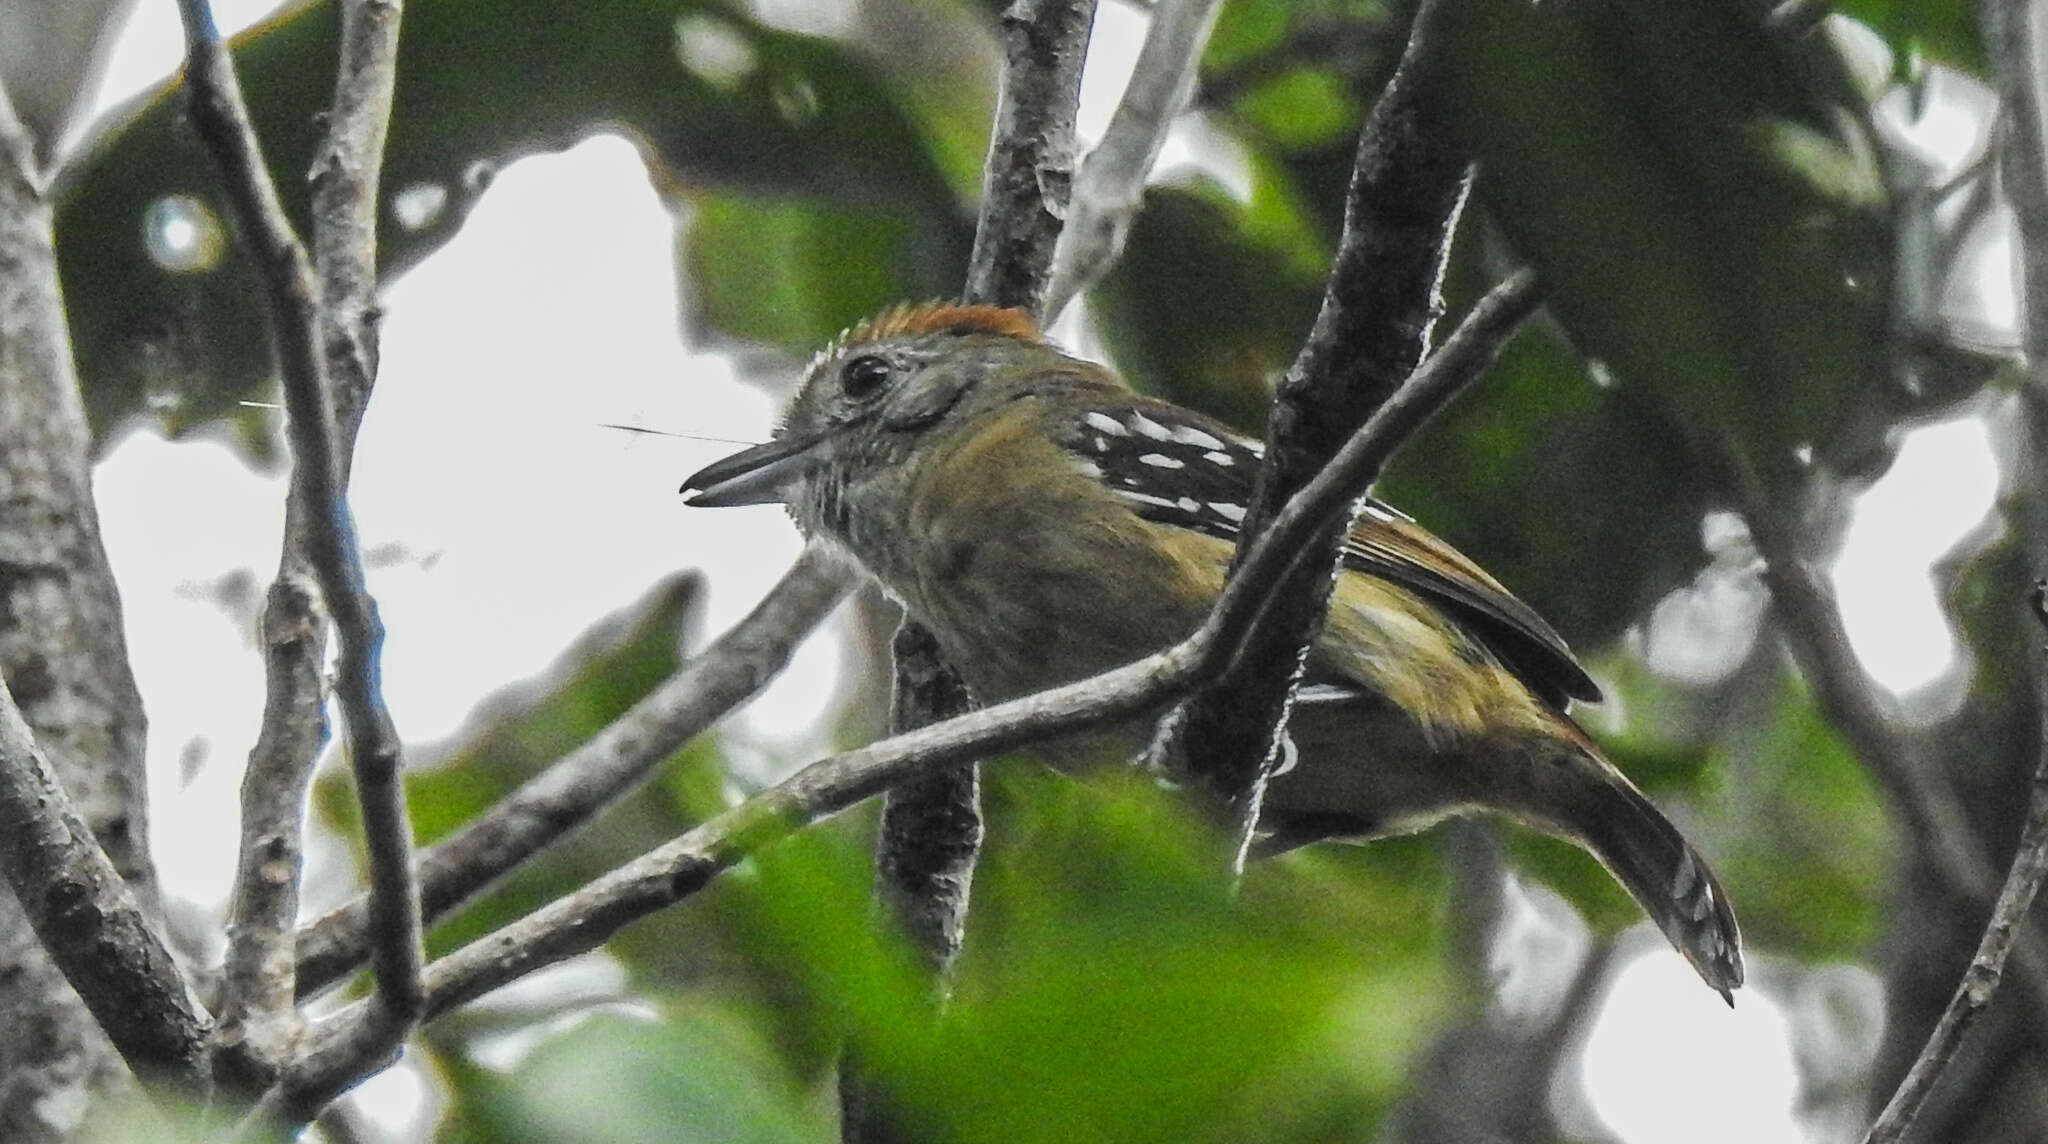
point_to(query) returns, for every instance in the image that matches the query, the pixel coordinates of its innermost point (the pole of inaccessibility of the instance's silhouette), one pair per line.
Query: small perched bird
(1048, 524)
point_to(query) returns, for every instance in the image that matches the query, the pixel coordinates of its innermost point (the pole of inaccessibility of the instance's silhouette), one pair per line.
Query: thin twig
(1379, 304)
(1980, 981)
(1111, 183)
(585, 919)
(2012, 40)
(295, 298)
(1030, 168)
(346, 174)
(614, 761)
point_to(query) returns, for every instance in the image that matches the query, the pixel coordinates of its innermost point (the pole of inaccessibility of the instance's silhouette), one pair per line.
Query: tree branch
(346, 174)
(1980, 981)
(2012, 39)
(569, 792)
(64, 657)
(259, 1021)
(585, 919)
(299, 318)
(1030, 168)
(1378, 307)
(930, 832)
(1111, 184)
(926, 846)
(258, 1010)
(88, 921)
(931, 825)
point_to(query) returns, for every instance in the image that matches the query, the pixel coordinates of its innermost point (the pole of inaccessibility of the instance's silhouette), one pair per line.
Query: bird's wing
(1177, 467)
(1389, 545)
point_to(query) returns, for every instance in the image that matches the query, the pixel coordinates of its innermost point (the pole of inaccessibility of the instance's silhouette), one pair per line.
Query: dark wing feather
(1180, 468)
(1389, 545)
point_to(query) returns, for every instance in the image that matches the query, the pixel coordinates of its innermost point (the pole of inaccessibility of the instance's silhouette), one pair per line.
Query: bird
(1047, 523)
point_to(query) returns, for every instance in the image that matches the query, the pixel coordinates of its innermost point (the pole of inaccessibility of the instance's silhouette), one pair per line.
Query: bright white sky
(522, 521)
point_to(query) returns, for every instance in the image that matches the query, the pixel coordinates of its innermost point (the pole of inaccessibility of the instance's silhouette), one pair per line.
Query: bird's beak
(760, 475)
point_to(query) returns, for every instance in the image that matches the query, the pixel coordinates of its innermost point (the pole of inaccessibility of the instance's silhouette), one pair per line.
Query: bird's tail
(1598, 807)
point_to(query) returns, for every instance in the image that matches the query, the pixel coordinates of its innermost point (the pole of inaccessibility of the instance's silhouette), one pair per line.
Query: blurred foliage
(715, 97)
(1111, 990)
(1815, 846)
(1205, 310)
(1918, 30)
(1684, 241)
(701, 1072)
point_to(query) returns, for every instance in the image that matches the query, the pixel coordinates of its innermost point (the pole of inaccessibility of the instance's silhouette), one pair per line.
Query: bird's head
(874, 399)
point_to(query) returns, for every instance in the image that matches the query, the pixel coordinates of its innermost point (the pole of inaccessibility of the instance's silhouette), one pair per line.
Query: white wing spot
(1234, 513)
(1162, 461)
(1219, 458)
(1255, 448)
(1189, 504)
(1150, 428)
(1101, 444)
(1106, 423)
(1087, 468)
(1189, 435)
(1148, 498)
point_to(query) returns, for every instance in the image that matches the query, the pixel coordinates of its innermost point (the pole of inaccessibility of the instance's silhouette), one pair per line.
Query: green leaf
(1246, 29)
(1207, 306)
(1300, 107)
(1942, 30)
(715, 98)
(1811, 867)
(1114, 989)
(793, 274)
(701, 1072)
(1633, 153)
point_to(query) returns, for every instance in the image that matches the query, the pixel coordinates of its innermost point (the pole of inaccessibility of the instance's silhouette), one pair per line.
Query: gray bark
(63, 655)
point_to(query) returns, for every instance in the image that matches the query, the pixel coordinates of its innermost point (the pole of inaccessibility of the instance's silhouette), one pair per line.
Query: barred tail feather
(1660, 869)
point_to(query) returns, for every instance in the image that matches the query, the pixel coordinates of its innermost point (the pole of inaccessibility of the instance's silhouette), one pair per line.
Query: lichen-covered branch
(930, 832)
(925, 850)
(258, 1012)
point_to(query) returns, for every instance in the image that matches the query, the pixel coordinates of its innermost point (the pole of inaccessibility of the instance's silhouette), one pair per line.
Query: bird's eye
(864, 376)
